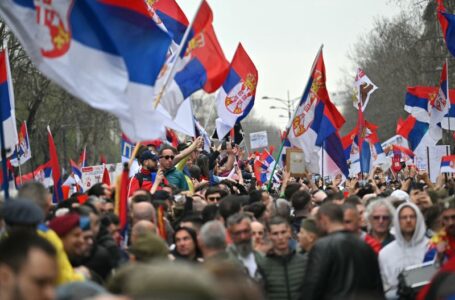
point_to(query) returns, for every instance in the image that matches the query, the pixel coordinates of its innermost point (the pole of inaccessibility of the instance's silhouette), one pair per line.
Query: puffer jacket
(282, 275)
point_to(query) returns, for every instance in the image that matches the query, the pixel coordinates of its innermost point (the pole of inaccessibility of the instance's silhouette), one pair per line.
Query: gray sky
(282, 38)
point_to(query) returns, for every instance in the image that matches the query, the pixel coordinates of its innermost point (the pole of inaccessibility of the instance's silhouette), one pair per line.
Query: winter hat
(64, 224)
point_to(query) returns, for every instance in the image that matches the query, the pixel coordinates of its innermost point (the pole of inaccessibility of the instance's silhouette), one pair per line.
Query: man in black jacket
(340, 265)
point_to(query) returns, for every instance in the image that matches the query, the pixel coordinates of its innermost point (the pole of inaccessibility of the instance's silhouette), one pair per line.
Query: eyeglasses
(383, 218)
(167, 157)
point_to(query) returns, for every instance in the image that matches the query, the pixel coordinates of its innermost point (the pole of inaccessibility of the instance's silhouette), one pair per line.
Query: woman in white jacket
(408, 249)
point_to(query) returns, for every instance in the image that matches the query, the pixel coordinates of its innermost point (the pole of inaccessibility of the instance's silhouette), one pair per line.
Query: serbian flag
(416, 134)
(76, 169)
(447, 22)
(448, 164)
(201, 65)
(440, 104)
(22, 153)
(333, 159)
(7, 104)
(235, 98)
(84, 41)
(169, 16)
(364, 87)
(449, 119)
(316, 117)
(54, 164)
(172, 138)
(417, 102)
(42, 174)
(263, 167)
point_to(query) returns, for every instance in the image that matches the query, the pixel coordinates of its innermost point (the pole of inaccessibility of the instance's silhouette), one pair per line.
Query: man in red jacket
(148, 174)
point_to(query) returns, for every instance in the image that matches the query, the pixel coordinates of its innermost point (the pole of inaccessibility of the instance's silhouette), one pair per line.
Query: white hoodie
(399, 254)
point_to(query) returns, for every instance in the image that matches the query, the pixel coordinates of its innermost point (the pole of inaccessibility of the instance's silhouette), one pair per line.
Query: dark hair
(16, 246)
(257, 208)
(34, 191)
(96, 190)
(167, 147)
(203, 162)
(229, 205)
(142, 198)
(193, 236)
(431, 215)
(209, 213)
(255, 196)
(300, 200)
(195, 172)
(276, 220)
(213, 190)
(331, 210)
(353, 199)
(290, 189)
(110, 218)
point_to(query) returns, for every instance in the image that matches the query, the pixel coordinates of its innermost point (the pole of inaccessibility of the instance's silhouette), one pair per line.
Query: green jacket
(177, 178)
(282, 276)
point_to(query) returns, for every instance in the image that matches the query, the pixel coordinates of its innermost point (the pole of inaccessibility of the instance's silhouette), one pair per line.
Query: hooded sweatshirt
(400, 254)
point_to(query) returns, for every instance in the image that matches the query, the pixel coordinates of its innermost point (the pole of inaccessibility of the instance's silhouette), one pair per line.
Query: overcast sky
(282, 38)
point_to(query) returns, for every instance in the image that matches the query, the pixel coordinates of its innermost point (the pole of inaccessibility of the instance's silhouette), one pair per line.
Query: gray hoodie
(399, 254)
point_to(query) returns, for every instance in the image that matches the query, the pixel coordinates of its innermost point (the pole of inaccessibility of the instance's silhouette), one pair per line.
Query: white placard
(258, 139)
(94, 174)
(434, 156)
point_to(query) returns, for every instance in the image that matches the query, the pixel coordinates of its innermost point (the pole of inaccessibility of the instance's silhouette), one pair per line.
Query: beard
(244, 248)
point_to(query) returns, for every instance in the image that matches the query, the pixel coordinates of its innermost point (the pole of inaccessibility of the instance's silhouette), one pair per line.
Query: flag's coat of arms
(240, 96)
(52, 18)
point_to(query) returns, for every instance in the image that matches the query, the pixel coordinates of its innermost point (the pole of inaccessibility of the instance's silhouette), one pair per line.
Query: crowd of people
(201, 227)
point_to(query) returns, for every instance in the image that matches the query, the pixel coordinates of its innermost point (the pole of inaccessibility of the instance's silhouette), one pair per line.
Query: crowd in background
(201, 227)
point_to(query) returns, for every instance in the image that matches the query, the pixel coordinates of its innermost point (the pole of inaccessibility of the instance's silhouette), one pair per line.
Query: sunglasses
(384, 218)
(213, 198)
(167, 156)
(449, 218)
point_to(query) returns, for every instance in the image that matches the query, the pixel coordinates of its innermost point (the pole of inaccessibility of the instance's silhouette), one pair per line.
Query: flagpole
(177, 55)
(19, 162)
(3, 156)
(288, 127)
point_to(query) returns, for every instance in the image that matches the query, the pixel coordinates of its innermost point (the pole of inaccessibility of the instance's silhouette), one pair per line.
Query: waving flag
(316, 117)
(54, 164)
(7, 103)
(447, 22)
(203, 65)
(417, 103)
(416, 133)
(42, 173)
(263, 166)
(448, 164)
(334, 160)
(364, 88)
(22, 152)
(440, 105)
(168, 15)
(236, 97)
(85, 40)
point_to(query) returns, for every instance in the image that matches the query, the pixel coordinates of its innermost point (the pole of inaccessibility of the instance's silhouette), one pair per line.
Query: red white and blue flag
(8, 116)
(263, 166)
(448, 164)
(201, 65)
(76, 43)
(440, 104)
(447, 22)
(416, 134)
(57, 196)
(316, 117)
(22, 153)
(42, 174)
(235, 98)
